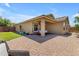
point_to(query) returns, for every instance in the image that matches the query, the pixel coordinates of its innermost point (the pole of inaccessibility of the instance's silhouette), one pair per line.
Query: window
(64, 26)
(20, 27)
(35, 27)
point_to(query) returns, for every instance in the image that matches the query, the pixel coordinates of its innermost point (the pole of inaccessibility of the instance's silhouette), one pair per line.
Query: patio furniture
(39, 31)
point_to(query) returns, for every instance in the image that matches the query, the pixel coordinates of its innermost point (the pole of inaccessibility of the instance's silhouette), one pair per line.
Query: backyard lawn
(6, 36)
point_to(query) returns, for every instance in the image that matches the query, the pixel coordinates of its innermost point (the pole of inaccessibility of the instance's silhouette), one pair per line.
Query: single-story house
(44, 24)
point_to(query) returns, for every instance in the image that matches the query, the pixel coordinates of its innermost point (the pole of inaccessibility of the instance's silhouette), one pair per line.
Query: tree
(5, 22)
(77, 22)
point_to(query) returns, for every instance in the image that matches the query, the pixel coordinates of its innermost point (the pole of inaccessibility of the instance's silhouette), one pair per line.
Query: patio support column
(42, 27)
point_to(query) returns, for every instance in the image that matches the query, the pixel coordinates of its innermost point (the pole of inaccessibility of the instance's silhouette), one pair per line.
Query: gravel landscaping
(3, 50)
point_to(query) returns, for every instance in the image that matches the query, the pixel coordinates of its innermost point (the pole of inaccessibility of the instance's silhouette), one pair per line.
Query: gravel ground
(3, 50)
(57, 45)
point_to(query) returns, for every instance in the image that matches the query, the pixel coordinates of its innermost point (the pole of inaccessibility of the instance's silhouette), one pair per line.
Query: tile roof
(62, 18)
(49, 16)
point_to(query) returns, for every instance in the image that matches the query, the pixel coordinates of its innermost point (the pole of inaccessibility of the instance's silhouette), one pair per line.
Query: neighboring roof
(61, 18)
(49, 16)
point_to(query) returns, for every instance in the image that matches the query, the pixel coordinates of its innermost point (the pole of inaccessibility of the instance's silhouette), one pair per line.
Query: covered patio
(43, 26)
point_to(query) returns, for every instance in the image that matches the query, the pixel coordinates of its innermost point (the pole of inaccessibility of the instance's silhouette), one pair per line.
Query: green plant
(77, 22)
(5, 22)
(6, 36)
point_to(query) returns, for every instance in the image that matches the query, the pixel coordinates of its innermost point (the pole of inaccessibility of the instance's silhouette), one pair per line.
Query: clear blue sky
(20, 11)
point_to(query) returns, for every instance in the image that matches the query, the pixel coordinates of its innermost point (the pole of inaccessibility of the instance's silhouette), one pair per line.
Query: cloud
(54, 10)
(7, 4)
(77, 14)
(19, 18)
(14, 17)
(2, 12)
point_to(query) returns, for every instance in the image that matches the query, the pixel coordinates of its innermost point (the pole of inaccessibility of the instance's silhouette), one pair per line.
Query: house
(44, 24)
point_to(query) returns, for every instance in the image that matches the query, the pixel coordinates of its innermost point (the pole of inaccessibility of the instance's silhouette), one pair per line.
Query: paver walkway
(57, 45)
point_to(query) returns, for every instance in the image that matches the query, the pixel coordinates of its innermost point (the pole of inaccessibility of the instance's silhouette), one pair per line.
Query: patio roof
(50, 17)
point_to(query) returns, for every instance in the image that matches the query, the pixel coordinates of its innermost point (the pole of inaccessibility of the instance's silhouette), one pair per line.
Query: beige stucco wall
(67, 25)
(26, 27)
(55, 28)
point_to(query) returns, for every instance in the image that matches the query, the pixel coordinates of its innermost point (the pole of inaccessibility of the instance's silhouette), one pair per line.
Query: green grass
(6, 36)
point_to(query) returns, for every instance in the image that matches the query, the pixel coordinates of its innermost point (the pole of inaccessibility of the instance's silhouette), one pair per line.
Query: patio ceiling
(51, 20)
(46, 19)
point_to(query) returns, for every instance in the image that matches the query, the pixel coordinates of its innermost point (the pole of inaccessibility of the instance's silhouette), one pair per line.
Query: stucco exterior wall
(50, 26)
(17, 28)
(55, 28)
(67, 26)
(26, 27)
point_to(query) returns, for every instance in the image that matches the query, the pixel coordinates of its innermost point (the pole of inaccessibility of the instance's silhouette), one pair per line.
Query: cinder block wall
(6, 29)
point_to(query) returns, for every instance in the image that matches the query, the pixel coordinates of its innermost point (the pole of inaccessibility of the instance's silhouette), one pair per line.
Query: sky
(18, 12)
